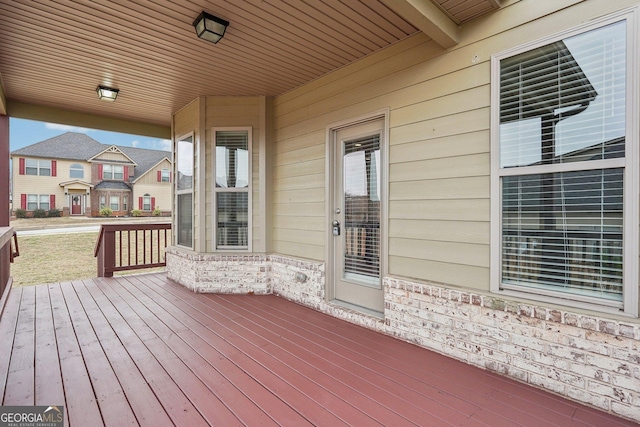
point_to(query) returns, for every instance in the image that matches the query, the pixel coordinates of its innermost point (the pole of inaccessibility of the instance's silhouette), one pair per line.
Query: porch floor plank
(142, 350)
(20, 380)
(75, 377)
(48, 378)
(143, 401)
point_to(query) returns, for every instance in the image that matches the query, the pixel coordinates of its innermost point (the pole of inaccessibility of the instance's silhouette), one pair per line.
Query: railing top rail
(6, 233)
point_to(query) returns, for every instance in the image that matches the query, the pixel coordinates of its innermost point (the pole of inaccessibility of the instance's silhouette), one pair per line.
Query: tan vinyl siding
(148, 184)
(186, 120)
(439, 139)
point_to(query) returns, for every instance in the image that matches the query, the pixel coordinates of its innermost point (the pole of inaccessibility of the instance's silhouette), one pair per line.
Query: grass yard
(54, 258)
(64, 257)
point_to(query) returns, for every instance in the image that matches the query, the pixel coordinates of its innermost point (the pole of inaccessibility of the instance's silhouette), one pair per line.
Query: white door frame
(330, 147)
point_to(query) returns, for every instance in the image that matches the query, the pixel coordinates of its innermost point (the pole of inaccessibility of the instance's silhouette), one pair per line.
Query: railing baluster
(106, 247)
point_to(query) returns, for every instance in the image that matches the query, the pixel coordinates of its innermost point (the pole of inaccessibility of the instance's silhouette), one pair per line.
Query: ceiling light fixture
(209, 27)
(107, 93)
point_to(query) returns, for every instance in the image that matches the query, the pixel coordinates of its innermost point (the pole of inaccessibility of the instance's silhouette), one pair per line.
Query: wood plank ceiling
(54, 54)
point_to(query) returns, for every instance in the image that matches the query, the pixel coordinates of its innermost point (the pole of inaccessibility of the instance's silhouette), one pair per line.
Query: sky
(28, 132)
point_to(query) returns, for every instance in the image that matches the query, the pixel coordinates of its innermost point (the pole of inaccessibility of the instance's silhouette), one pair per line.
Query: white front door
(357, 212)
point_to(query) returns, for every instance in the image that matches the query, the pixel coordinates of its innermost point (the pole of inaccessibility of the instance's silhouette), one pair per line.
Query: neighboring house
(78, 175)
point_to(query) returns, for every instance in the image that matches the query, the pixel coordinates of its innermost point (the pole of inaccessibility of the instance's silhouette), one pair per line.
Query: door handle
(336, 227)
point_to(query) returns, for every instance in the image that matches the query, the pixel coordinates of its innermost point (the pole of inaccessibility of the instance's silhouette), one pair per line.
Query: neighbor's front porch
(143, 350)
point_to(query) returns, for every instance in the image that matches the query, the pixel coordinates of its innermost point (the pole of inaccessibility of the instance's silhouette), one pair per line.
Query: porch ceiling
(54, 54)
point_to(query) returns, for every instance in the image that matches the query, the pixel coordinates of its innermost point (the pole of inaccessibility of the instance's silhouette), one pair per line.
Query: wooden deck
(141, 350)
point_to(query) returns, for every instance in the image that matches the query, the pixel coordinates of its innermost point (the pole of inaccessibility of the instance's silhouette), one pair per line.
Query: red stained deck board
(462, 380)
(266, 360)
(249, 401)
(20, 385)
(106, 386)
(202, 397)
(74, 375)
(393, 380)
(176, 404)
(143, 401)
(7, 333)
(381, 401)
(48, 378)
(478, 385)
(532, 401)
(259, 375)
(293, 379)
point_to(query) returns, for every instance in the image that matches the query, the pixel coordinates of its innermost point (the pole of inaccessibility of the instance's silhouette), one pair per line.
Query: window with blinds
(361, 177)
(562, 148)
(232, 189)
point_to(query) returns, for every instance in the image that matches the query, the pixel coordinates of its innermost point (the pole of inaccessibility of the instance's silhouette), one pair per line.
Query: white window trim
(112, 172)
(248, 190)
(630, 164)
(111, 203)
(187, 191)
(76, 167)
(38, 167)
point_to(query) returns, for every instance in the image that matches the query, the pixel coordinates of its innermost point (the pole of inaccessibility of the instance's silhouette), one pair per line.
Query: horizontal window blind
(563, 232)
(362, 207)
(232, 220)
(185, 219)
(565, 102)
(232, 159)
(560, 104)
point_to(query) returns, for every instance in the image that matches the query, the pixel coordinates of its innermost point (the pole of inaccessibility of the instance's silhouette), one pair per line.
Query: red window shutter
(140, 203)
(159, 176)
(54, 168)
(23, 201)
(52, 201)
(126, 173)
(153, 203)
(100, 171)
(21, 162)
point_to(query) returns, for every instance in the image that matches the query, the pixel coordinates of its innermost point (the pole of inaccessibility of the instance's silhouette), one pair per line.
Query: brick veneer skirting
(589, 359)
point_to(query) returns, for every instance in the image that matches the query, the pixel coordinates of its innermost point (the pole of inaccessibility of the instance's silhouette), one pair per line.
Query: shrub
(136, 212)
(54, 213)
(106, 211)
(21, 213)
(157, 211)
(39, 213)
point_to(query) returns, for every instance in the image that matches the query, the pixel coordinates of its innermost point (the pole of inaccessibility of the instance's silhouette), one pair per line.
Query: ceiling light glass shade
(107, 93)
(209, 27)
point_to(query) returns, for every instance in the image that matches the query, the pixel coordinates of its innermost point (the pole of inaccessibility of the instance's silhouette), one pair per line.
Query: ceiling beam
(428, 18)
(21, 110)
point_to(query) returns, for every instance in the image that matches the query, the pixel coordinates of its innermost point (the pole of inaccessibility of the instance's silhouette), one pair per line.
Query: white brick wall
(593, 360)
